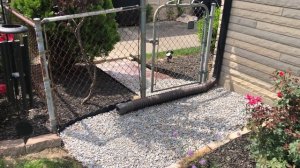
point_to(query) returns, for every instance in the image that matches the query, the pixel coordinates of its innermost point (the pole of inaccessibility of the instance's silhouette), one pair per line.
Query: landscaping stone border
(208, 148)
(34, 144)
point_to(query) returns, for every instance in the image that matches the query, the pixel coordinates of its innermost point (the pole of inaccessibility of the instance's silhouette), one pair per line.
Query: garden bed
(233, 154)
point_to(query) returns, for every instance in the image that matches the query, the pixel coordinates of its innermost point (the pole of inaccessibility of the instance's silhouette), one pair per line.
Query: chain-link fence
(90, 62)
(94, 59)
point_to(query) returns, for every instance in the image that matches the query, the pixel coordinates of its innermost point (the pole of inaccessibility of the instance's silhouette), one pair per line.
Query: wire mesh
(91, 62)
(177, 56)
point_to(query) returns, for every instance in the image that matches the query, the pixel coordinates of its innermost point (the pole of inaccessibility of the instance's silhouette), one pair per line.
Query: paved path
(127, 73)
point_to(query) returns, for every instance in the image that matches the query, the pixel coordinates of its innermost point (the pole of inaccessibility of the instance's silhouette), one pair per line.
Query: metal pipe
(203, 47)
(27, 70)
(209, 38)
(46, 79)
(143, 48)
(134, 105)
(20, 16)
(87, 14)
(3, 13)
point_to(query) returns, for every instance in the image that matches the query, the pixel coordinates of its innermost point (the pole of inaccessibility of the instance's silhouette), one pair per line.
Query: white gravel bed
(157, 136)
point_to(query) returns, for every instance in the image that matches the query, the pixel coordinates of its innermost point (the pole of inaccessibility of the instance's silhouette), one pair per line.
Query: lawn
(40, 163)
(49, 158)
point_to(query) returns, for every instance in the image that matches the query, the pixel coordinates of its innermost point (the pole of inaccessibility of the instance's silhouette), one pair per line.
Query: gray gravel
(157, 136)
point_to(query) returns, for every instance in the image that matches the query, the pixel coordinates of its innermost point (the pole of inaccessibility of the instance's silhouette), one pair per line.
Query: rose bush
(275, 141)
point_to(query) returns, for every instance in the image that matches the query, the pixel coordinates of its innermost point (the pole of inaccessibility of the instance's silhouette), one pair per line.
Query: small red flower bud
(279, 94)
(281, 73)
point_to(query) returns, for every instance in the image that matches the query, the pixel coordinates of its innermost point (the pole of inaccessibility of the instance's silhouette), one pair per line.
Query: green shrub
(215, 28)
(33, 8)
(98, 33)
(149, 13)
(276, 130)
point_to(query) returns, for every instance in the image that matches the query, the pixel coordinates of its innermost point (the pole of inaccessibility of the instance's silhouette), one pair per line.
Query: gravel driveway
(157, 136)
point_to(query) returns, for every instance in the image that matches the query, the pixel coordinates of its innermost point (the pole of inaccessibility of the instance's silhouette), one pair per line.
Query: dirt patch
(48, 153)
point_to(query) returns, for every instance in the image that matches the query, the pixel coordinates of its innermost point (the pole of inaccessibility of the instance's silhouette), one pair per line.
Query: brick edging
(34, 144)
(212, 146)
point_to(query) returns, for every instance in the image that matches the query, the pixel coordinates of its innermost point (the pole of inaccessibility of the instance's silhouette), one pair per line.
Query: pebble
(147, 139)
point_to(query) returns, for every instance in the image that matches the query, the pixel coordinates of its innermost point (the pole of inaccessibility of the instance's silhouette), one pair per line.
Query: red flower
(2, 89)
(281, 73)
(252, 100)
(279, 94)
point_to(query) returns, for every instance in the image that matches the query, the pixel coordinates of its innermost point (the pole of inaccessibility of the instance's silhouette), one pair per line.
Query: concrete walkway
(127, 73)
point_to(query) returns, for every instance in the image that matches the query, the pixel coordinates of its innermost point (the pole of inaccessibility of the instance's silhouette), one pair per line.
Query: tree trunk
(91, 68)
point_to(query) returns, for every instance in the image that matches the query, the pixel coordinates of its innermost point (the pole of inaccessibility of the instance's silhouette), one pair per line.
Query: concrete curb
(34, 144)
(211, 147)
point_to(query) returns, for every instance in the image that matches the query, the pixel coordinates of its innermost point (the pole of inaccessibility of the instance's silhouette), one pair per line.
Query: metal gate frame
(205, 41)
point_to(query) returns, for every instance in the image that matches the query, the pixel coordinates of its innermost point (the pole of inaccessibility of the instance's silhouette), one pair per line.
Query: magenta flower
(190, 153)
(175, 134)
(252, 100)
(202, 162)
(194, 166)
(218, 136)
(281, 73)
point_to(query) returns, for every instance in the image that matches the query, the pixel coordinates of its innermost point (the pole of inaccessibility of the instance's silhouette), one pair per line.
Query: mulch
(182, 67)
(234, 154)
(10, 116)
(68, 95)
(72, 88)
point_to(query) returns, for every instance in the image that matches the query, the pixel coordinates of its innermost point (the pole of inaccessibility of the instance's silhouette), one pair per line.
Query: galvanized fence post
(209, 38)
(46, 79)
(143, 48)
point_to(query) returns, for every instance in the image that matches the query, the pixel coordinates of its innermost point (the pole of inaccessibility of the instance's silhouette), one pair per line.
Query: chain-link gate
(179, 45)
(92, 61)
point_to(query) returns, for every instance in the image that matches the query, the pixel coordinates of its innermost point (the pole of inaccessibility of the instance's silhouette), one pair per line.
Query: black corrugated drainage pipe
(128, 107)
(125, 108)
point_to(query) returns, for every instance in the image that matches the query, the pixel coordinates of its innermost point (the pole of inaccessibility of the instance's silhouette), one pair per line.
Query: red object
(2, 89)
(281, 73)
(252, 100)
(279, 94)
(6, 37)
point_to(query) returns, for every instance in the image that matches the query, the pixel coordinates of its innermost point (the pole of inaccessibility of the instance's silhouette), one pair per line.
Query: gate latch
(156, 42)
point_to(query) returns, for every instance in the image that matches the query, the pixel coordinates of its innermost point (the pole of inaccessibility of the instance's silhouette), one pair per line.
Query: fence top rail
(20, 16)
(87, 14)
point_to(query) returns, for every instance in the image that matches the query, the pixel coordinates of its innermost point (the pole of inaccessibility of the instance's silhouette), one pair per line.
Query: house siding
(263, 36)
